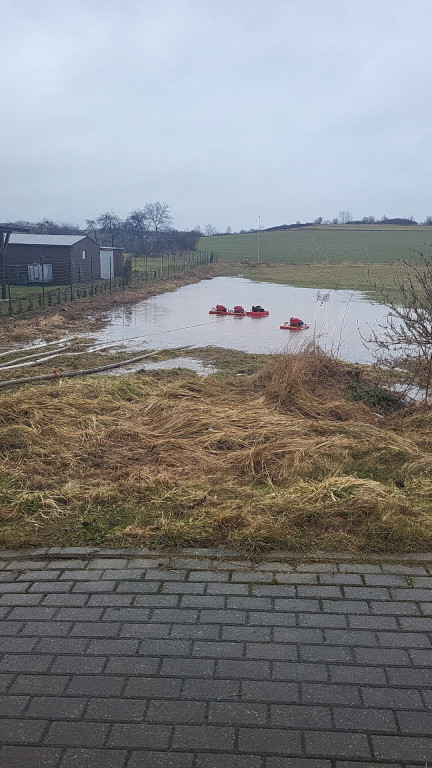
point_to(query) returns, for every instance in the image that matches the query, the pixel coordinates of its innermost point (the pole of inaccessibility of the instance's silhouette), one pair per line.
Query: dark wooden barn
(52, 259)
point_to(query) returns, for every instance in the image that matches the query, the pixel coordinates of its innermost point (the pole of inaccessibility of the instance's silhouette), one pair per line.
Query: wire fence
(47, 282)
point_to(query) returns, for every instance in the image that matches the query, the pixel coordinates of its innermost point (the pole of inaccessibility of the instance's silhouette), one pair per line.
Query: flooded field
(340, 321)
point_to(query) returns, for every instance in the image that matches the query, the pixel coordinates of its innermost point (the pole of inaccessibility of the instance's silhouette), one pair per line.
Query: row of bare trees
(146, 231)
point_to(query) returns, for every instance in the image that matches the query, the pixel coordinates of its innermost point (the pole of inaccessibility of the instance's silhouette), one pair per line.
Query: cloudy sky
(228, 110)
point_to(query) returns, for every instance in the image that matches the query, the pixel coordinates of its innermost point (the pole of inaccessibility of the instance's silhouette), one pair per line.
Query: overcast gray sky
(226, 109)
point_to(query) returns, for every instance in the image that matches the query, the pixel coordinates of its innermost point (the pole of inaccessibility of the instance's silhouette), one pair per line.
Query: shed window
(84, 255)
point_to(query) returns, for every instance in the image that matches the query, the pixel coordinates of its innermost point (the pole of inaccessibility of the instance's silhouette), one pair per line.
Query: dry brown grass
(278, 459)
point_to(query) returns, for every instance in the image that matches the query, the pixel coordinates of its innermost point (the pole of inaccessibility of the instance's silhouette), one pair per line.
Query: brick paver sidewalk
(132, 661)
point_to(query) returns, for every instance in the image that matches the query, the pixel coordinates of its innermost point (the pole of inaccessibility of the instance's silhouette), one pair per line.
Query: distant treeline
(146, 231)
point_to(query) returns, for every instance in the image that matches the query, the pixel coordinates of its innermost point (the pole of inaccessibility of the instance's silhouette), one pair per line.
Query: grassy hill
(321, 245)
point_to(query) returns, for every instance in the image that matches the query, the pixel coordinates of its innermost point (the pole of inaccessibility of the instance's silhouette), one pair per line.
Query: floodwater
(340, 321)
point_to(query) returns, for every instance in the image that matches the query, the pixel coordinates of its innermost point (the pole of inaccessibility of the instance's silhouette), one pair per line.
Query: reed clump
(279, 458)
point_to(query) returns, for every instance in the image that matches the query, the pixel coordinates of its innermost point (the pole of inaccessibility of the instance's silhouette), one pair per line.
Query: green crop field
(318, 245)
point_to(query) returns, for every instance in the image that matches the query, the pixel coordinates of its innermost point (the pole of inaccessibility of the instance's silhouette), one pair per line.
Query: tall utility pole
(259, 229)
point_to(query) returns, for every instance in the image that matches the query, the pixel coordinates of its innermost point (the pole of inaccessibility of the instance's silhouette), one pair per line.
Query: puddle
(339, 320)
(178, 362)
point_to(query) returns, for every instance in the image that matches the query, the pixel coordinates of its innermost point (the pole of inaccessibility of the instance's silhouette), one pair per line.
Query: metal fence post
(10, 300)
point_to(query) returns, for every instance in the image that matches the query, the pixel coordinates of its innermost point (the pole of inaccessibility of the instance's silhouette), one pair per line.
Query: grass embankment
(280, 457)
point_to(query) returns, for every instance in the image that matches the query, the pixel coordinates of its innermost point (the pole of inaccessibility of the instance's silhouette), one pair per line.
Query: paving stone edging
(216, 557)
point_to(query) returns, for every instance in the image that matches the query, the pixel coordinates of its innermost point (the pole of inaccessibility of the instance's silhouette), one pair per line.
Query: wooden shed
(52, 259)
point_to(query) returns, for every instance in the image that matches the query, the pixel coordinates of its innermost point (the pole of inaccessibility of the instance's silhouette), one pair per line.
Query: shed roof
(16, 239)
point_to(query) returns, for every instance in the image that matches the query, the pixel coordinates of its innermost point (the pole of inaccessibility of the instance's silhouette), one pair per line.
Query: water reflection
(338, 320)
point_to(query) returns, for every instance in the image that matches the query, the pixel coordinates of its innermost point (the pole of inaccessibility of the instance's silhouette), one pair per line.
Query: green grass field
(321, 245)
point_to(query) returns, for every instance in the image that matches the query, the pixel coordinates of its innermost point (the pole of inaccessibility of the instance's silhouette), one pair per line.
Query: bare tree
(344, 217)
(158, 215)
(405, 339)
(109, 226)
(210, 230)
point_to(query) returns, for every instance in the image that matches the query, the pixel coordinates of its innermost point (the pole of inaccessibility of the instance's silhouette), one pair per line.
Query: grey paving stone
(15, 586)
(298, 762)
(188, 667)
(251, 578)
(271, 651)
(346, 606)
(76, 734)
(295, 635)
(382, 656)
(40, 685)
(392, 698)
(421, 657)
(326, 653)
(226, 589)
(144, 630)
(402, 748)
(415, 623)
(105, 562)
(161, 760)
(321, 693)
(404, 640)
(372, 622)
(78, 614)
(195, 631)
(302, 717)
(120, 575)
(299, 671)
(218, 649)
(154, 688)
(203, 601)
(416, 723)
(21, 662)
(55, 707)
(385, 580)
(157, 601)
(26, 565)
(17, 644)
(111, 600)
(271, 619)
(269, 740)
(138, 587)
(345, 579)
(197, 737)
(34, 757)
(321, 591)
(94, 758)
(81, 575)
(131, 665)
(165, 647)
(401, 608)
(73, 665)
(95, 685)
(246, 633)
(10, 628)
(296, 578)
(211, 576)
(228, 761)
(19, 731)
(34, 613)
(340, 745)
(261, 690)
(351, 637)
(12, 706)
(173, 615)
(13, 598)
(176, 712)
(186, 588)
(335, 620)
(417, 595)
(106, 647)
(116, 710)
(139, 735)
(63, 600)
(213, 690)
(367, 720)
(360, 674)
(249, 603)
(272, 590)
(294, 605)
(316, 568)
(410, 677)
(225, 617)
(366, 593)
(94, 587)
(241, 669)
(237, 713)
(153, 574)
(47, 628)
(95, 629)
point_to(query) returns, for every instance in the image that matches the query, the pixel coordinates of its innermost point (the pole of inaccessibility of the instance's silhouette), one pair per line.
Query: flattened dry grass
(280, 458)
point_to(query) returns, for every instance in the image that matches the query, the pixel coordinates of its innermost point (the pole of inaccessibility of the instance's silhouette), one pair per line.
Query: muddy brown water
(340, 321)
